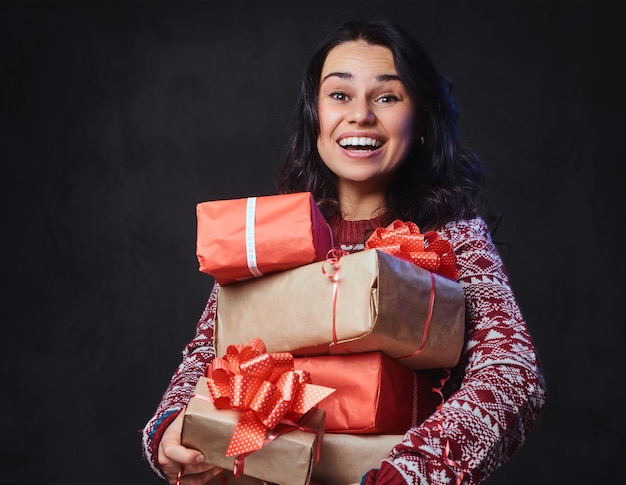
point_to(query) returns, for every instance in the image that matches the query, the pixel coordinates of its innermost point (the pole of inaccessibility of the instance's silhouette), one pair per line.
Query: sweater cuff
(152, 440)
(386, 475)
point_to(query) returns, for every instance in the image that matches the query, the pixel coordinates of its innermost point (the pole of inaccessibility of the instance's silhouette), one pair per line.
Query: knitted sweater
(494, 395)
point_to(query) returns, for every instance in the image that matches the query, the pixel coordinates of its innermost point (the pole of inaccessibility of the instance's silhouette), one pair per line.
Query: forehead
(357, 57)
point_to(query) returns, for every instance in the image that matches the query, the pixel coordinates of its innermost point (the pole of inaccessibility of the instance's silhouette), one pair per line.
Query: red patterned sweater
(494, 396)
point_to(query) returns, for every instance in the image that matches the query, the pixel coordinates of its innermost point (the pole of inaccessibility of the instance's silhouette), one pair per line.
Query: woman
(375, 139)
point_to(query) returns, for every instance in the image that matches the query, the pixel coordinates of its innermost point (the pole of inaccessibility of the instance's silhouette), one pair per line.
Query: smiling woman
(367, 125)
(375, 139)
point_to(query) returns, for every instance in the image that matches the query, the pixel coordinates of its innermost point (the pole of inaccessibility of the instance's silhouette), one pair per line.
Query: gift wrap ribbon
(265, 388)
(428, 251)
(250, 237)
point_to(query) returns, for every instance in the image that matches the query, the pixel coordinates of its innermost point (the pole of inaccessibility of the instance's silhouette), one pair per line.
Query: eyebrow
(347, 76)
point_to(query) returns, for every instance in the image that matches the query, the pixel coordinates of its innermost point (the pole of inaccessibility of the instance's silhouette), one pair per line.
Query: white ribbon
(250, 243)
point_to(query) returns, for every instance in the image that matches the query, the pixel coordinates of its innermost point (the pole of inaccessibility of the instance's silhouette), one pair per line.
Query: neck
(360, 204)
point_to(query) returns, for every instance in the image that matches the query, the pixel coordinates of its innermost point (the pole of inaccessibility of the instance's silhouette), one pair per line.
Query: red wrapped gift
(373, 393)
(238, 239)
(265, 387)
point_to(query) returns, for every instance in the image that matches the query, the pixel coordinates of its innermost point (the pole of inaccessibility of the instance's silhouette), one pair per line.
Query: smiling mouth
(360, 144)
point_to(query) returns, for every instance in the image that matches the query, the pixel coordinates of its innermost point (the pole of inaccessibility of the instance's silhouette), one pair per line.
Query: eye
(339, 96)
(388, 98)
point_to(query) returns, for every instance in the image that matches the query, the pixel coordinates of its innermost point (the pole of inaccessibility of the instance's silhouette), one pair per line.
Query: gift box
(345, 458)
(227, 478)
(238, 239)
(374, 394)
(366, 301)
(287, 460)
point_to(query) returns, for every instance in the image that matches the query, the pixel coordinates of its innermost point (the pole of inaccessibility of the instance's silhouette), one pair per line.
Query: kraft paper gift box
(287, 460)
(383, 303)
(374, 394)
(344, 459)
(238, 239)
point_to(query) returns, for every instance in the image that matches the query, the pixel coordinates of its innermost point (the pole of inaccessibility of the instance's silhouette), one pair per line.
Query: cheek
(405, 133)
(323, 121)
(322, 140)
(328, 118)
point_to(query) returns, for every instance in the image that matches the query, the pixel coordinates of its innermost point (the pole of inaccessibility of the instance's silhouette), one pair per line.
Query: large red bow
(264, 387)
(428, 251)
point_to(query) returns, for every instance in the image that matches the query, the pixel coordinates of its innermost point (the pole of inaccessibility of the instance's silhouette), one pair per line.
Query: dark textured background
(117, 118)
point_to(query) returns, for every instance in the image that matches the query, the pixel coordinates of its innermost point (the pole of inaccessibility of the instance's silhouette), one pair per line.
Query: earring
(421, 140)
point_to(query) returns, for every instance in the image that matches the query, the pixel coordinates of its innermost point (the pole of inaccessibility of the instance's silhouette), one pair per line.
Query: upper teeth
(360, 141)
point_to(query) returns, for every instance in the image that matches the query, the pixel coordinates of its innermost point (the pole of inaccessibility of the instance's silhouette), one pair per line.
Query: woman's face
(367, 121)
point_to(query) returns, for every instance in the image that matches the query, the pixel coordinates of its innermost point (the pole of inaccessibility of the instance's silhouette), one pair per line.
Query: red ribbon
(264, 387)
(439, 388)
(181, 473)
(428, 251)
(429, 317)
(285, 426)
(448, 461)
(332, 259)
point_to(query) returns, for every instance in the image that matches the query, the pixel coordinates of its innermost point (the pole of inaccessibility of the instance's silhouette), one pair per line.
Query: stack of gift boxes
(360, 324)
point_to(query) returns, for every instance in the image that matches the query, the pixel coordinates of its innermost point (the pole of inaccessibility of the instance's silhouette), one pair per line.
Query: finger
(170, 459)
(199, 478)
(197, 469)
(179, 454)
(172, 469)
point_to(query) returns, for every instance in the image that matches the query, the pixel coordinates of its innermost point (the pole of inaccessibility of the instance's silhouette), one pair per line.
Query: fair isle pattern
(195, 357)
(351, 248)
(497, 391)
(494, 396)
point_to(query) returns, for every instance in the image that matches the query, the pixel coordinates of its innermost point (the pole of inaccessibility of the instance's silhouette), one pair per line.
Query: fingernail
(200, 459)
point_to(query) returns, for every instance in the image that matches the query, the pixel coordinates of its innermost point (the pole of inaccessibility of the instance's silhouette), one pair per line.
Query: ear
(418, 131)
(419, 134)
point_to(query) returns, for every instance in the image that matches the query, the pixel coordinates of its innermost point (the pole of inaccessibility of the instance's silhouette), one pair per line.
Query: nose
(361, 112)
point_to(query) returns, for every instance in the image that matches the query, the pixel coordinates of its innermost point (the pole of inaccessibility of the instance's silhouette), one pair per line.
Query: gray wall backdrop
(118, 117)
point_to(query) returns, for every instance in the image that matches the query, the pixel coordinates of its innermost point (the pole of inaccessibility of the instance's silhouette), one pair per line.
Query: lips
(360, 143)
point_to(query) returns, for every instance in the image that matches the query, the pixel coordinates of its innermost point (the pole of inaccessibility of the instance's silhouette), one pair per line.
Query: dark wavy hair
(440, 179)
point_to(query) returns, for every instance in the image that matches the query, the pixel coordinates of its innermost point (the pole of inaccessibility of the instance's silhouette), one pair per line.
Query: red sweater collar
(354, 232)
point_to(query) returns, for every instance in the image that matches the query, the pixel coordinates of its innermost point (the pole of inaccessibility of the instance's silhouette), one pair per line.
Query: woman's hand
(172, 455)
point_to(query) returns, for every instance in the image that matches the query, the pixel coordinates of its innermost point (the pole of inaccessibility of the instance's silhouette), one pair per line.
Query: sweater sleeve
(496, 392)
(196, 356)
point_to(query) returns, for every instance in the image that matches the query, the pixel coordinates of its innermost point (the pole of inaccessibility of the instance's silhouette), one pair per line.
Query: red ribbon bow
(428, 251)
(264, 387)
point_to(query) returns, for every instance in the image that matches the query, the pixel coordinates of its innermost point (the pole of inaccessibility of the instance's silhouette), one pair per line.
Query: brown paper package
(382, 304)
(344, 459)
(288, 460)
